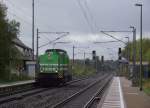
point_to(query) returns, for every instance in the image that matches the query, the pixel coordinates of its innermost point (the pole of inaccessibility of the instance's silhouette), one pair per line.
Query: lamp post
(140, 5)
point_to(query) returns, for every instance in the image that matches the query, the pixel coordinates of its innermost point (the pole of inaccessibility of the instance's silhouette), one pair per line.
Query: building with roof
(27, 65)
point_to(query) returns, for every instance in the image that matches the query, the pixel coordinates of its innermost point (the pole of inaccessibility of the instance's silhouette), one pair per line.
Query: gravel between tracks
(81, 100)
(49, 97)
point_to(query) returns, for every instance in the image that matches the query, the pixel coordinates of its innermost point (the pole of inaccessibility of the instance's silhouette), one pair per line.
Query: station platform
(16, 83)
(133, 97)
(114, 97)
(121, 94)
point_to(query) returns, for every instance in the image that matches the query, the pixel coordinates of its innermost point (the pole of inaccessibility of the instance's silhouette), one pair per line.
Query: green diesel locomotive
(54, 67)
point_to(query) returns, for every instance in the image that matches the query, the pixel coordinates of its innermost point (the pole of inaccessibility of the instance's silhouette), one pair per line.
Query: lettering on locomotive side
(53, 67)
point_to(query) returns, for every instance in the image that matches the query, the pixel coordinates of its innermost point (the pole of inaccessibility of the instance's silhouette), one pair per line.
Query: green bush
(80, 70)
(146, 86)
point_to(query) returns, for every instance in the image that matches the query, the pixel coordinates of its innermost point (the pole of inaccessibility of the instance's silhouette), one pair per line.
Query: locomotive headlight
(41, 69)
(55, 70)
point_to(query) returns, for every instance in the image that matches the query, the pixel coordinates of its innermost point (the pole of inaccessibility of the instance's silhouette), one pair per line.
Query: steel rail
(22, 94)
(17, 97)
(98, 95)
(76, 94)
(14, 89)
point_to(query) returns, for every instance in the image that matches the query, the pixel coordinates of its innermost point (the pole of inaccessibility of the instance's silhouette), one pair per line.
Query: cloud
(83, 38)
(68, 16)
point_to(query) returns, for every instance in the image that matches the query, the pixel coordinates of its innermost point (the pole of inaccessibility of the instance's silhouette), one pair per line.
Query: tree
(145, 50)
(8, 31)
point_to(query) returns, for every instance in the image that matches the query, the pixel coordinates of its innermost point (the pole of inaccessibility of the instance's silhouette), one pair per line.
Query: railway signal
(102, 59)
(119, 54)
(134, 80)
(94, 55)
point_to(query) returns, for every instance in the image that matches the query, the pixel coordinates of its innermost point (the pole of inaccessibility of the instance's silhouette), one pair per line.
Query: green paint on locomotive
(54, 61)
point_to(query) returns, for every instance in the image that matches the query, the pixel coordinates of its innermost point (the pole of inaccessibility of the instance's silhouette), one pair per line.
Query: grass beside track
(81, 70)
(147, 86)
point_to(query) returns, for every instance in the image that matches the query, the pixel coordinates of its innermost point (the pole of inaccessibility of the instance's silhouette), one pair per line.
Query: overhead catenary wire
(91, 15)
(112, 37)
(25, 21)
(16, 11)
(85, 15)
(106, 47)
(44, 38)
(109, 53)
(19, 9)
(87, 10)
(106, 41)
(50, 42)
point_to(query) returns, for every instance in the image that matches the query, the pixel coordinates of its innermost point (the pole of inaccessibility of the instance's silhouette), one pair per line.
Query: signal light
(119, 54)
(94, 54)
(102, 59)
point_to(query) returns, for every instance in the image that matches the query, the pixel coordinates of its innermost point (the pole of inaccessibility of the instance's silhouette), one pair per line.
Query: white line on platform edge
(121, 95)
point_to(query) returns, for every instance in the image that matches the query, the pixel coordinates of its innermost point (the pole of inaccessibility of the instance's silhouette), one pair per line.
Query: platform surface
(16, 83)
(134, 98)
(114, 96)
(121, 94)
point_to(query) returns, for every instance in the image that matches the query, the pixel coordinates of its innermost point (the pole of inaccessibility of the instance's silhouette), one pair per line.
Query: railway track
(80, 98)
(92, 103)
(16, 88)
(48, 98)
(8, 94)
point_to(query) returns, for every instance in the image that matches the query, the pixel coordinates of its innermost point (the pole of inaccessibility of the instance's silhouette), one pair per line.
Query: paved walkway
(114, 97)
(133, 97)
(121, 94)
(16, 83)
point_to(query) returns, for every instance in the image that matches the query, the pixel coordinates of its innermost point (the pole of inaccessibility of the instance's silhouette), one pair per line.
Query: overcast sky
(84, 19)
